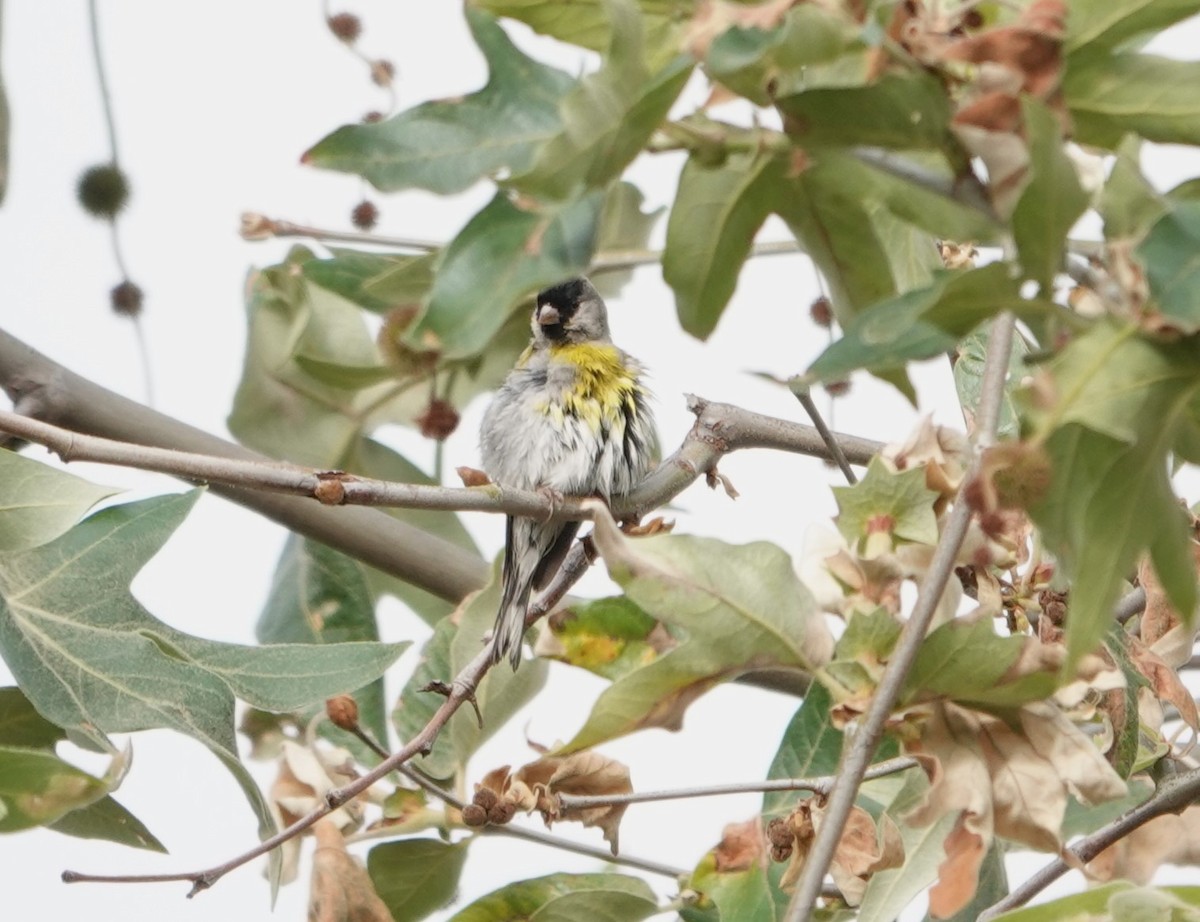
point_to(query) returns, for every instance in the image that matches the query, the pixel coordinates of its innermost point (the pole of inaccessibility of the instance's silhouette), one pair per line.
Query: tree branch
(870, 730)
(461, 690)
(819, 785)
(1172, 796)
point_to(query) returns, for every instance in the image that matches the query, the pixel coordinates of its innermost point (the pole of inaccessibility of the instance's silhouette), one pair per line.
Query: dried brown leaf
(536, 786)
(958, 875)
(741, 847)
(1164, 682)
(1170, 839)
(1161, 627)
(341, 889)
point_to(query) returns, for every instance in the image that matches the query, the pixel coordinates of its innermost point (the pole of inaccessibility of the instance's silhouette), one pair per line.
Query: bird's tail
(522, 553)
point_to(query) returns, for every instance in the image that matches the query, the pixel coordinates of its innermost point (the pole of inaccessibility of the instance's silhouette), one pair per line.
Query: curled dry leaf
(1003, 778)
(942, 451)
(1169, 839)
(1162, 630)
(537, 786)
(863, 849)
(1165, 683)
(741, 847)
(341, 889)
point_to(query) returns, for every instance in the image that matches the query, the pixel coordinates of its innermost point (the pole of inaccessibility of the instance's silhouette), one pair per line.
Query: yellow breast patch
(605, 391)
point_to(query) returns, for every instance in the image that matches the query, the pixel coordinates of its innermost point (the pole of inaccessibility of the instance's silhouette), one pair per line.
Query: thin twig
(1173, 795)
(462, 689)
(819, 785)
(613, 260)
(806, 401)
(719, 429)
(870, 729)
(260, 227)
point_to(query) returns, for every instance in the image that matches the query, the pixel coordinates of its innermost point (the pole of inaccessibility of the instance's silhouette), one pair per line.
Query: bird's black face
(570, 312)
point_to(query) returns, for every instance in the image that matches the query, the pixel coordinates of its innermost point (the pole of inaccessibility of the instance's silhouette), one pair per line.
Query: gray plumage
(571, 418)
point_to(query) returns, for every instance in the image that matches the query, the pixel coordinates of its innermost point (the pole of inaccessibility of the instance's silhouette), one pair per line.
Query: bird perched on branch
(572, 418)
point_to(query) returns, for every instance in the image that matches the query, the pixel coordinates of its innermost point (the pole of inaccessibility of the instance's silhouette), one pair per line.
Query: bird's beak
(547, 315)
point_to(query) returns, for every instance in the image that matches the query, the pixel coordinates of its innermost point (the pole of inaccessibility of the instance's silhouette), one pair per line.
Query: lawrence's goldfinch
(572, 418)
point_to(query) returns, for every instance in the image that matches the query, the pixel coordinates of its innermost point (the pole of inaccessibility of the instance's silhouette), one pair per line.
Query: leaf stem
(870, 730)
(819, 785)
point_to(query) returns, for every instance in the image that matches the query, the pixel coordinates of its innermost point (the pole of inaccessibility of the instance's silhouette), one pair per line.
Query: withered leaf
(341, 889)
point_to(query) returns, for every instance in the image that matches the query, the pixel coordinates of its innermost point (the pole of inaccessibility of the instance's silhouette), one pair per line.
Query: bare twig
(818, 785)
(719, 429)
(261, 227)
(870, 729)
(1172, 796)
(806, 401)
(461, 690)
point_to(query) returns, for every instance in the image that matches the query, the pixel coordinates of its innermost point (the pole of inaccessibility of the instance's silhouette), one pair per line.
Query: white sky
(214, 105)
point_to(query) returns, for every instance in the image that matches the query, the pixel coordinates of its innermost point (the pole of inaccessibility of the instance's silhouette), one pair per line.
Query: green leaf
(1051, 202)
(1169, 253)
(21, 725)
(373, 459)
(1119, 901)
(714, 219)
(1110, 96)
(93, 661)
(378, 282)
(968, 376)
(565, 898)
(903, 111)
(1105, 24)
(455, 642)
(507, 251)
(37, 788)
(864, 254)
(39, 503)
(447, 146)
(608, 116)
(109, 821)
(344, 377)
(319, 596)
(587, 23)
(282, 410)
(736, 606)
(609, 637)
(741, 895)
(762, 64)
(924, 322)
(1084, 819)
(1128, 203)
(897, 505)
(415, 877)
(1123, 400)
(811, 747)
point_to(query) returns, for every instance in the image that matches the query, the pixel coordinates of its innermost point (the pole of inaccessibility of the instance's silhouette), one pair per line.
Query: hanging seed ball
(346, 26)
(127, 299)
(103, 190)
(372, 117)
(383, 72)
(439, 420)
(821, 312)
(364, 216)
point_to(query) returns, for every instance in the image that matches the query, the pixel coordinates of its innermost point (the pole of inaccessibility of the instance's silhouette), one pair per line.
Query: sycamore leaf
(1051, 201)
(38, 503)
(446, 146)
(1168, 253)
(716, 213)
(623, 226)
(811, 746)
(415, 877)
(1111, 95)
(93, 661)
(509, 250)
(608, 116)
(23, 727)
(378, 282)
(968, 377)
(565, 898)
(886, 508)
(923, 322)
(1095, 24)
(740, 607)
(38, 788)
(734, 875)
(1128, 203)
(1117, 402)
(611, 637)
(456, 640)
(1116, 902)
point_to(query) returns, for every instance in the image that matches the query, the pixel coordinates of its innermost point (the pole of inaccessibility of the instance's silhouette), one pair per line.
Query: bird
(572, 418)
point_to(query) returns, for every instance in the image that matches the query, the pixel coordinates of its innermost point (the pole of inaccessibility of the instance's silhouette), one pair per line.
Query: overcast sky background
(214, 105)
